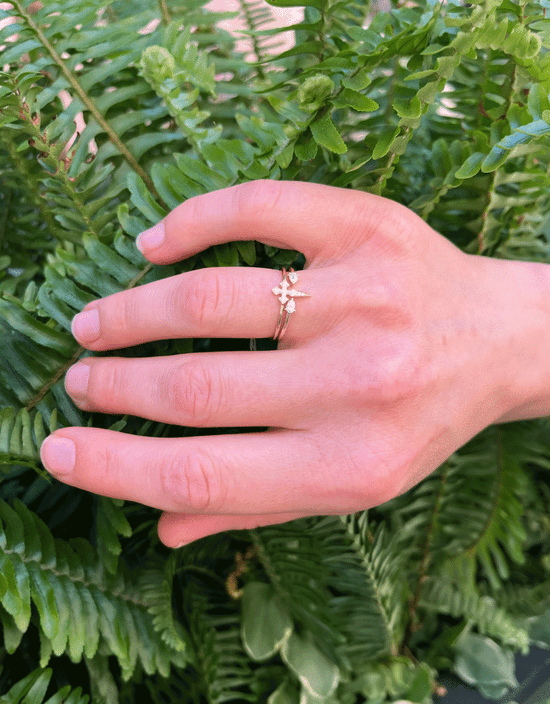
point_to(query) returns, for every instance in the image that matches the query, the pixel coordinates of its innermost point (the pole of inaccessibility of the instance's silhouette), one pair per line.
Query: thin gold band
(286, 296)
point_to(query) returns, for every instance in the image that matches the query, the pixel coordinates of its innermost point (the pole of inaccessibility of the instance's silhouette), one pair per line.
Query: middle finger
(205, 389)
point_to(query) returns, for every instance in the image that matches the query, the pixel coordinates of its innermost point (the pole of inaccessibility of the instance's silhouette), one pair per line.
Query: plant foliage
(111, 114)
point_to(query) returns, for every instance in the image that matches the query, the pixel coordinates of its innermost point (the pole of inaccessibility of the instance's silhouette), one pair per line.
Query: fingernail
(76, 380)
(58, 455)
(151, 238)
(85, 325)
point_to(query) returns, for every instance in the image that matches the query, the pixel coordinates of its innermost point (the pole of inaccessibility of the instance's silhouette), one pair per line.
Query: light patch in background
(283, 17)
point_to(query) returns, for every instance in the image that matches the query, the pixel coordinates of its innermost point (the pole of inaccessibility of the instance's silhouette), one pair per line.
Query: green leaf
(408, 108)
(108, 261)
(227, 254)
(12, 311)
(130, 224)
(12, 634)
(313, 47)
(355, 100)
(266, 623)
(471, 166)
(286, 693)
(31, 689)
(307, 150)
(143, 200)
(384, 142)
(285, 157)
(319, 4)
(359, 81)
(326, 135)
(428, 91)
(483, 663)
(247, 250)
(496, 157)
(422, 686)
(199, 172)
(318, 675)
(537, 101)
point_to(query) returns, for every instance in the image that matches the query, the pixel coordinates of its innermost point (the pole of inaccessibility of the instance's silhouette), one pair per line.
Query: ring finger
(217, 302)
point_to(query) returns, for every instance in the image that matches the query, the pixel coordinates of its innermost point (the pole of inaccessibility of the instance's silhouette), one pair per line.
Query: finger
(215, 302)
(176, 530)
(277, 471)
(202, 390)
(317, 220)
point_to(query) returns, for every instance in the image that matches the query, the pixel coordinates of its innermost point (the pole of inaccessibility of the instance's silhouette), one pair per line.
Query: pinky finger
(178, 529)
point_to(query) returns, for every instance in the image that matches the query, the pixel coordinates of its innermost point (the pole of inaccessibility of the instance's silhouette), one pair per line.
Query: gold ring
(286, 296)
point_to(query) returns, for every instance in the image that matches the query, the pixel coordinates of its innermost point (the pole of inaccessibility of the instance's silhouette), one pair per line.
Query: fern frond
(33, 357)
(442, 596)
(42, 100)
(81, 608)
(50, 34)
(371, 575)
(33, 688)
(36, 354)
(103, 688)
(293, 560)
(168, 71)
(159, 597)
(346, 589)
(21, 435)
(110, 523)
(471, 507)
(221, 663)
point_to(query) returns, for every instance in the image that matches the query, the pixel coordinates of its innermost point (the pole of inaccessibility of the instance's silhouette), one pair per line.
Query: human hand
(406, 349)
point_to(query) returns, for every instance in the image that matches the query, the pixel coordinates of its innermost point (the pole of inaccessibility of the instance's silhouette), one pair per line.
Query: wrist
(526, 372)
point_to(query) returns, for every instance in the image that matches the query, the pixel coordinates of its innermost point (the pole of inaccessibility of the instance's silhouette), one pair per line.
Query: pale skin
(406, 349)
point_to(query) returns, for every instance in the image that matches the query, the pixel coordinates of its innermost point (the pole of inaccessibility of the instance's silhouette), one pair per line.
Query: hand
(406, 349)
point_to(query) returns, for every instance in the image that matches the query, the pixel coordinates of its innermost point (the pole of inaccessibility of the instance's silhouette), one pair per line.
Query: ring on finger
(286, 296)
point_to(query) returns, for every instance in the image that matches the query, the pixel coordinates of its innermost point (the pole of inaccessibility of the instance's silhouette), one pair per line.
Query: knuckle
(105, 384)
(206, 298)
(256, 199)
(376, 300)
(194, 394)
(104, 459)
(395, 375)
(191, 482)
(387, 299)
(378, 470)
(398, 377)
(120, 313)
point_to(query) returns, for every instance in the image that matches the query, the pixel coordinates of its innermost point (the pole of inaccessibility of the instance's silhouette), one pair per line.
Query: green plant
(442, 107)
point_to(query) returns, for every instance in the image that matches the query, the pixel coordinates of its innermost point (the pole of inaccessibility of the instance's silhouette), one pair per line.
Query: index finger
(317, 220)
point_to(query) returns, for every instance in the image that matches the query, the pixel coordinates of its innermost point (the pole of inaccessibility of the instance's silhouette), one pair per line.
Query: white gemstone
(290, 306)
(293, 277)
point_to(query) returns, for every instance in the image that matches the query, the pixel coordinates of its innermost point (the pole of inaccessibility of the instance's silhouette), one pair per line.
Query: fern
(81, 609)
(33, 689)
(111, 522)
(220, 662)
(481, 611)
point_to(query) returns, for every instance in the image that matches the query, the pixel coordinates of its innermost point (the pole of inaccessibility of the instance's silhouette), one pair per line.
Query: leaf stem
(85, 98)
(164, 12)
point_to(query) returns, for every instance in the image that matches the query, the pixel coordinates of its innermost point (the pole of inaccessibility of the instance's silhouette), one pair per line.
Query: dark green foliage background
(443, 107)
